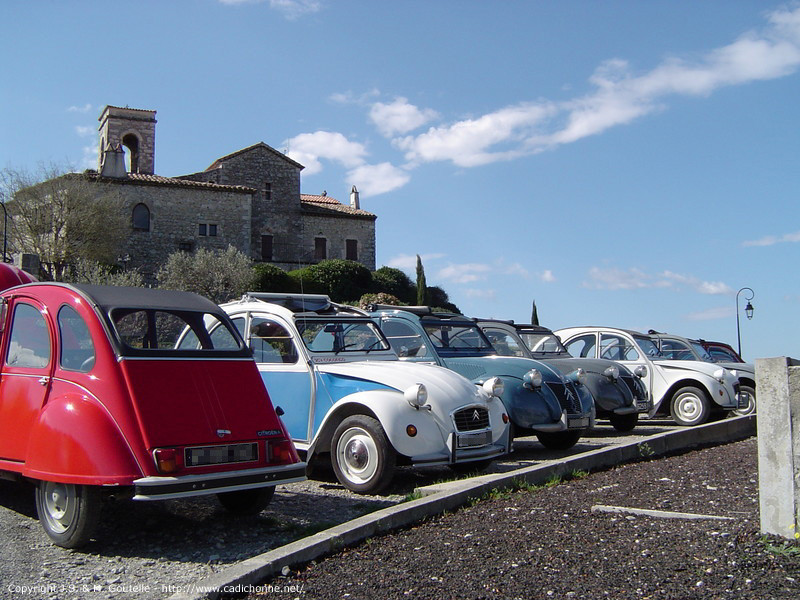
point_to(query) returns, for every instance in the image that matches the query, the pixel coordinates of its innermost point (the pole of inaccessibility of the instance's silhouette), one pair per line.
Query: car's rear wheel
(751, 401)
(361, 455)
(560, 440)
(247, 502)
(69, 513)
(690, 406)
(624, 422)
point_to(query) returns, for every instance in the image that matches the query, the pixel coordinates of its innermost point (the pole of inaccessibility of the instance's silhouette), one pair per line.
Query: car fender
(394, 414)
(75, 440)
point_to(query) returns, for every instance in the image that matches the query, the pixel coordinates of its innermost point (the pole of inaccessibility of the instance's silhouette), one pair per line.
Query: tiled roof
(216, 163)
(141, 178)
(327, 205)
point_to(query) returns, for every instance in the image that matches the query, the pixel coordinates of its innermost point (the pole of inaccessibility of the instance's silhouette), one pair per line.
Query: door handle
(44, 380)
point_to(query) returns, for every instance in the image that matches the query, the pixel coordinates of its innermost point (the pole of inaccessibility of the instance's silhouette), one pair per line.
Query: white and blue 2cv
(345, 394)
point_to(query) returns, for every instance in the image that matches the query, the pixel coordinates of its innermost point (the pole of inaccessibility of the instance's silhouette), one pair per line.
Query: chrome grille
(471, 419)
(567, 397)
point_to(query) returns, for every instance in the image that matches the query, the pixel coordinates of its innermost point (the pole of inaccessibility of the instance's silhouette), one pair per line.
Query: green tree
(438, 299)
(269, 278)
(534, 314)
(342, 280)
(393, 281)
(87, 271)
(219, 275)
(62, 217)
(422, 288)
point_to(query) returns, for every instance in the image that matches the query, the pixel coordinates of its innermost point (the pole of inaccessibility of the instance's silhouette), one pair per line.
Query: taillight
(282, 452)
(166, 460)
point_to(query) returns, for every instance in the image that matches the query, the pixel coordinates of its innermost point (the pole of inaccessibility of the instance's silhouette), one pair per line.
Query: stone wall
(337, 230)
(175, 215)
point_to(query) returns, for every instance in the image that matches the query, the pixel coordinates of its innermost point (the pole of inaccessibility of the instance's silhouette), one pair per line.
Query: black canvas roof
(110, 297)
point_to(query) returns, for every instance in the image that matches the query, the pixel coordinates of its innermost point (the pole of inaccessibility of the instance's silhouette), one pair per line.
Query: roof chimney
(354, 198)
(113, 162)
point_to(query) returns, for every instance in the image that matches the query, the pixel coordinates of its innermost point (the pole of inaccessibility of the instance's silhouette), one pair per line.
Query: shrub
(379, 298)
(393, 281)
(219, 275)
(269, 278)
(340, 279)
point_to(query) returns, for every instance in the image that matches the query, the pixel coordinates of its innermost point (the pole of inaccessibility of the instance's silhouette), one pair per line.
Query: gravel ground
(547, 543)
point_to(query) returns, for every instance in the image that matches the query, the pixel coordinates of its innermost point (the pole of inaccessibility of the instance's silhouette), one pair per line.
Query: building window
(320, 248)
(351, 249)
(207, 229)
(141, 218)
(266, 248)
(267, 191)
(185, 246)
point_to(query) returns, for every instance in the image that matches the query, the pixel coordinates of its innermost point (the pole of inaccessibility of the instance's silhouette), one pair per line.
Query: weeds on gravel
(786, 548)
(415, 495)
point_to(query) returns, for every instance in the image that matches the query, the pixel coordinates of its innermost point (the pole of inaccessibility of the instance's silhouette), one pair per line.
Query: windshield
(647, 346)
(339, 335)
(543, 343)
(700, 351)
(459, 338)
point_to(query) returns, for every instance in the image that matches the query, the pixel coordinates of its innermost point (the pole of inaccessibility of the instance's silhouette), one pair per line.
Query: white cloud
(350, 97)
(291, 9)
(399, 117)
(771, 240)
(80, 109)
(618, 98)
(85, 131)
(408, 262)
(464, 273)
(547, 276)
(372, 180)
(309, 148)
(720, 312)
(481, 293)
(614, 278)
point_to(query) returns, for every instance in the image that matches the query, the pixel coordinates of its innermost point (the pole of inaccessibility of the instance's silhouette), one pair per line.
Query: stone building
(249, 199)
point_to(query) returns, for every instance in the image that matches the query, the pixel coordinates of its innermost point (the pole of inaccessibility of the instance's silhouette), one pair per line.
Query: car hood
(590, 365)
(445, 387)
(481, 368)
(696, 366)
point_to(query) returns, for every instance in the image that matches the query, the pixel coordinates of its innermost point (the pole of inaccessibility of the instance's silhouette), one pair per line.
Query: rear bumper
(165, 488)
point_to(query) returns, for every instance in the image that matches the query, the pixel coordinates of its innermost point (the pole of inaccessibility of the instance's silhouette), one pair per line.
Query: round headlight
(533, 378)
(612, 373)
(580, 376)
(719, 375)
(494, 387)
(640, 371)
(416, 395)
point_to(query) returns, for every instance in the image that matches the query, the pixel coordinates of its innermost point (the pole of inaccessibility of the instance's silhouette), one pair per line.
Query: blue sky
(623, 163)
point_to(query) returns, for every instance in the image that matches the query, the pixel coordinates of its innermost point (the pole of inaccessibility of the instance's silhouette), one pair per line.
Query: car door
(285, 373)
(26, 375)
(622, 349)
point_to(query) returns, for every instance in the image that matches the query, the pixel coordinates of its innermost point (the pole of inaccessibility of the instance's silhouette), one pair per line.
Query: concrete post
(778, 427)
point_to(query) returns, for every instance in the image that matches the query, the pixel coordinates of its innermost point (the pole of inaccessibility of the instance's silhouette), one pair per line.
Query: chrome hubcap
(357, 455)
(60, 505)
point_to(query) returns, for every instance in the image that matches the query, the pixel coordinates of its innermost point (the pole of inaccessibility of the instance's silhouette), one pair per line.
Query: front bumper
(186, 486)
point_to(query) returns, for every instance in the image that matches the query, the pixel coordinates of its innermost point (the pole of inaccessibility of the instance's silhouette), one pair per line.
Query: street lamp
(748, 310)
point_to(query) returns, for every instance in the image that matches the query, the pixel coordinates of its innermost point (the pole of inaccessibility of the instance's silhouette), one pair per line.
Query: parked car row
(150, 394)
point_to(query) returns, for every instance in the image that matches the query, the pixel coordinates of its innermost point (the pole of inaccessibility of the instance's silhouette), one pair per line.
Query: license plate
(579, 422)
(472, 440)
(220, 455)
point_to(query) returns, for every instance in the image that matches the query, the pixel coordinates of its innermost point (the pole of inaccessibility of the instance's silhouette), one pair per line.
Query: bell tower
(133, 129)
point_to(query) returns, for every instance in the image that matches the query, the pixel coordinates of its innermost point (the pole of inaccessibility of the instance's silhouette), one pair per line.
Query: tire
(68, 513)
(690, 406)
(475, 466)
(560, 440)
(751, 404)
(624, 422)
(247, 502)
(361, 456)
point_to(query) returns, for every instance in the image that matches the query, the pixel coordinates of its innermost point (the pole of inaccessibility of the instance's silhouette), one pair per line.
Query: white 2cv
(691, 391)
(346, 396)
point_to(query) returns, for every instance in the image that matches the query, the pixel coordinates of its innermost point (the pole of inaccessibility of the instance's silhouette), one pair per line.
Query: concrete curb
(440, 498)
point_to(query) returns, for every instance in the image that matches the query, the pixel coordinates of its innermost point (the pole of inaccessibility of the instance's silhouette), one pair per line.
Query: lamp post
(748, 310)
(5, 227)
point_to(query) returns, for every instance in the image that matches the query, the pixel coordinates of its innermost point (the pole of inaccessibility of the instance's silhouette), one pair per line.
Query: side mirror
(279, 411)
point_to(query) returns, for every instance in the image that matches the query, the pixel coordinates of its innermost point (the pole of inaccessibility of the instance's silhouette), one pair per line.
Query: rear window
(150, 332)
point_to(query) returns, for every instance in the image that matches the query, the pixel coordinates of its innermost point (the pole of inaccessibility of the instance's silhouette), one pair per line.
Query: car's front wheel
(69, 513)
(361, 455)
(560, 440)
(624, 422)
(690, 406)
(247, 502)
(751, 401)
